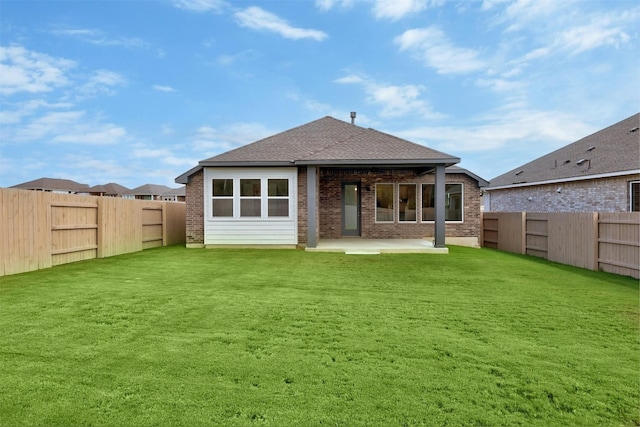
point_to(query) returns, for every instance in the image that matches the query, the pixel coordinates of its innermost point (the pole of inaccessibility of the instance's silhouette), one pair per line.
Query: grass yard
(176, 336)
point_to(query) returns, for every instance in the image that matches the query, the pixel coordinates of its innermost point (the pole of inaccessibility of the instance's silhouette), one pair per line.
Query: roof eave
(184, 178)
(568, 179)
(381, 162)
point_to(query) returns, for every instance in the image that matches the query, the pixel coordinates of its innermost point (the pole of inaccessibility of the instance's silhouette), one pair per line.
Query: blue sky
(138, 92)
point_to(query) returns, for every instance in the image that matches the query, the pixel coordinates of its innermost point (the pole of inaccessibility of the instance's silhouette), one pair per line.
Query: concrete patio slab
(359, 246)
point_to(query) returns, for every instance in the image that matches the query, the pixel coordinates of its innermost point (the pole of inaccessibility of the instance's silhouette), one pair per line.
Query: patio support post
(439, 202)
(312, 196)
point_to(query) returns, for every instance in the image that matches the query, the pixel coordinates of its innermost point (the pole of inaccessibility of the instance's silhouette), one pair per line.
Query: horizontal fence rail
(41, 229)
(597, 241)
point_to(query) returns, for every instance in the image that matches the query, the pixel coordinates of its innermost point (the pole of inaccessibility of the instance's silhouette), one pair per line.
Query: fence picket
(597, 241)
(40, 229)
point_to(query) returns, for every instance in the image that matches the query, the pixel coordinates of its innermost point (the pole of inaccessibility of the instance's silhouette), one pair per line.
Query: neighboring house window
(634, 192)
(453, 206)
(250, 200)
(222, 198)
(384, 203)
(278, 200)
(407, 203)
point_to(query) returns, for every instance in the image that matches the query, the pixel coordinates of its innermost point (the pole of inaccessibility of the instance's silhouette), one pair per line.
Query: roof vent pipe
(353, 117)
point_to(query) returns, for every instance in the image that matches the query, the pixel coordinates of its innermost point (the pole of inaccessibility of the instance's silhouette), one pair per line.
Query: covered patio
(358, 246)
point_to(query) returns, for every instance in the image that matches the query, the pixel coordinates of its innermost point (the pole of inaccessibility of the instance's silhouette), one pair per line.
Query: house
(54, 185)
(175, 195)
(109, 190)
(600, 172)
(156, 192)
(330, 179)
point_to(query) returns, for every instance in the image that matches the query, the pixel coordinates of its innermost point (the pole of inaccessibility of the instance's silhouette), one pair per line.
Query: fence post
(596, 241)
(523, 232)
(100, 230)
(164, 224)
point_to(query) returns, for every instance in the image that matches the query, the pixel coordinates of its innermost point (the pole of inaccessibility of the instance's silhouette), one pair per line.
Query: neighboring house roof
(155, 190)
(181, 191)
(456, 169)
(110, 189)
(53, 184)
(328, 141)
(612, 151)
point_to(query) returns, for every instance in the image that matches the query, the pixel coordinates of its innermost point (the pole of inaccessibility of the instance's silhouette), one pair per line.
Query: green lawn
(176, 336)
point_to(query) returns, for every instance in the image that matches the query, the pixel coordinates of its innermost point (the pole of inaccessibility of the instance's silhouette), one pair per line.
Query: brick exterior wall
(601, 195)
(302, 206)
(195, 209)
(330, 204)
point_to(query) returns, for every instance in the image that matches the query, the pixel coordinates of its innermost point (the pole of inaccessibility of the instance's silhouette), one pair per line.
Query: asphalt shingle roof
(615, 149)
(329, 140)
(111, 188)
(53, 184)
(154, 190)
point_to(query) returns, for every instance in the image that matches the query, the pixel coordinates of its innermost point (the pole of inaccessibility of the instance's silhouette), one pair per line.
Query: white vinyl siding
(255, 224)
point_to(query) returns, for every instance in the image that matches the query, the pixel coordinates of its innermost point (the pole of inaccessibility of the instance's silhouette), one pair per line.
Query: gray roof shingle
(110, 189)
(328, 140)
(53, 184)
(615, 149)
(154, 190)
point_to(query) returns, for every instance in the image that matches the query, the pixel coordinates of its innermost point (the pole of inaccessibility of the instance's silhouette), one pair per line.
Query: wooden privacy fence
(40, 229)
(594, 240)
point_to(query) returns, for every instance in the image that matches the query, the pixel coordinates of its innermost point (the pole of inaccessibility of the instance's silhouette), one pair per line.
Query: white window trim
(375, 201)
(269, 198)
(236, 174)
(631, 194)
(446, 183)
(241, 197)
(418, 211)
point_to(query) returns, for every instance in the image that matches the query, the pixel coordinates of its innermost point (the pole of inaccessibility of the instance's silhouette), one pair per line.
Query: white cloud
(396, 9)
(351, 78)
(591, 36)
(147, 152)
(259, 19)
(384, 9)
(431, 46)
(166, 129)
(559, 27)
(216, 140)
(500, 85)
(325, 5)
(22, 70)
(490, 4)
(13, 113)
(67, 127)
(201, 5)
(230, 59)
(87, 168)
(395, 100)
(501, 128)
(100, 38)
(162, 88)
(88, 134)
(100, 82)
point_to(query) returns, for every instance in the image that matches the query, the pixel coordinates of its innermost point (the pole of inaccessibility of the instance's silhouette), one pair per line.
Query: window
(407, 203)
(634, 199)
(222, 197)
(384, 203)
(250, 200)
(278, 200)
(453, 205)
